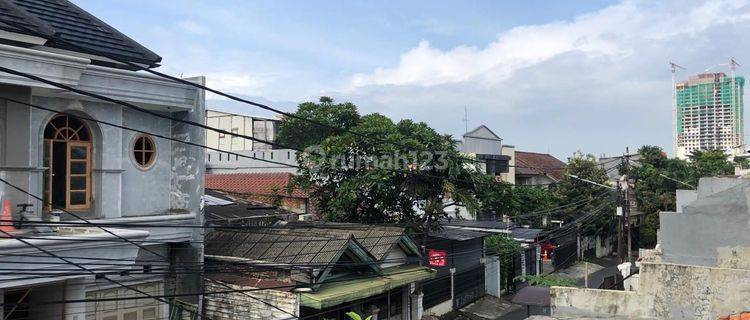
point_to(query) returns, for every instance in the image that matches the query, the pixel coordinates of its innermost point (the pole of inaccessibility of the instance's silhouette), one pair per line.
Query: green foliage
(354, 316)
(548, 280)
(500, 198)
(656, 181)
(505, 248)
(593, 197)
(355, 179)
(708, 163)
(302, 134)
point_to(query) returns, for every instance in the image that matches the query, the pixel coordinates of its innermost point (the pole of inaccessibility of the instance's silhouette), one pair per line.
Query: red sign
(436, 258)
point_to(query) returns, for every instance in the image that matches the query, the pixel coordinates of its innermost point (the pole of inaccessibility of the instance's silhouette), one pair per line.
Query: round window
(144, 151)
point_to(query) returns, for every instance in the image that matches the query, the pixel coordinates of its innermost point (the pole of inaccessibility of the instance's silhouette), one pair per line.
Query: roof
(459, 234)
(472, 133)
(482, 224)
(378, 240)
(276, 245)
(529, 234)
(221, 208)
(63, 19)
(253, 183)
(337, 293)
(532, 163)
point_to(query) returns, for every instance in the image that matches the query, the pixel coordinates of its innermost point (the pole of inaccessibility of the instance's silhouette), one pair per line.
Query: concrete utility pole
(624, 186)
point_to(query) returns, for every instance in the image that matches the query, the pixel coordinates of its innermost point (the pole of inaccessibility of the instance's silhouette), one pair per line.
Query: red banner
(436, 258)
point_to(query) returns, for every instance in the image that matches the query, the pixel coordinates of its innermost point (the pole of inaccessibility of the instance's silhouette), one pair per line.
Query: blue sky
(548, 76)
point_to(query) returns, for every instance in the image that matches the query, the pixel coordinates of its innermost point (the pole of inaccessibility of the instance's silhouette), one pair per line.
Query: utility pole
(619, 216)
(626, 204)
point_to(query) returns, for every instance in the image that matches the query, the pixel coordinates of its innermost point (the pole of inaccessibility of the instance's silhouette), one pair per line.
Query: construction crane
(674, 67)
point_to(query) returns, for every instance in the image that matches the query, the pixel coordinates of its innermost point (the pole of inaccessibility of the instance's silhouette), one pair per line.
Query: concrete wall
(247, 305)
(261, 128)
(218, 162)
(715, 220)
(666, 291)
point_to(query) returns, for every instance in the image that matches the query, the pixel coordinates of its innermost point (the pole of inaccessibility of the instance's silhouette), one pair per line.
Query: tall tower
(709, 113)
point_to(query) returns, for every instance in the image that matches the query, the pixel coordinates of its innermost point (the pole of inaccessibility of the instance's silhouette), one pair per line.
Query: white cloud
(611, 32)
(598, 82)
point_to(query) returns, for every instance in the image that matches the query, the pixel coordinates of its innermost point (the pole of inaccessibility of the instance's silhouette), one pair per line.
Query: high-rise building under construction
(709, 113)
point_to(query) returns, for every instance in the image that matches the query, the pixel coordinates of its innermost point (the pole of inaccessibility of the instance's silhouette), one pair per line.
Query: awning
(335, 293)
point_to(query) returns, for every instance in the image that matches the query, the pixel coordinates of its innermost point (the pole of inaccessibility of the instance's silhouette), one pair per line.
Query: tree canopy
(355, 179)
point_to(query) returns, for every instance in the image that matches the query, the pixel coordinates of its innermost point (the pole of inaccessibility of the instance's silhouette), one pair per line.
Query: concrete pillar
(405, 305)
(75, 289)
(417, 311)
(2, 300)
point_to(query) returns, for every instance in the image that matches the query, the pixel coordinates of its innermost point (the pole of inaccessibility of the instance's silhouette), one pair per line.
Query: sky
(547, 76)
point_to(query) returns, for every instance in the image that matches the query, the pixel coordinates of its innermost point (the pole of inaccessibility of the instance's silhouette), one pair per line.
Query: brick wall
(241, 305)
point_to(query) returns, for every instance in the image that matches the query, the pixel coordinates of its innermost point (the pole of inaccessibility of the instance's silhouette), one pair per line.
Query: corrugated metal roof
(63, 19)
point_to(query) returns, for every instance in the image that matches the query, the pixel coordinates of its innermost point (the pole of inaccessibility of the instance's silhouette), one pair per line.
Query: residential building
(538, 169)
(256, 127)
(316, 271)
(491, 155)
(252, 161)
(87, 171)
(458, 256)
(267, 188)
(699, 270)
(709, 114)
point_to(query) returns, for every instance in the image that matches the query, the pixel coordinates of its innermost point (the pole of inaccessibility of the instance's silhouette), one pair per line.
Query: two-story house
(131, 175)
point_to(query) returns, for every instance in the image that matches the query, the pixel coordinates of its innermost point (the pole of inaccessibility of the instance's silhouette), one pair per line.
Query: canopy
(335, 293)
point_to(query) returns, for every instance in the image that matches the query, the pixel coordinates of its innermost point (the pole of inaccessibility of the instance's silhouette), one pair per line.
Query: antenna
(674, 67)
(466, 119)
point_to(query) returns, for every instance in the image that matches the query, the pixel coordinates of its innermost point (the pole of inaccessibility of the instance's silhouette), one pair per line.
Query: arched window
(144, 151)
(67, 158)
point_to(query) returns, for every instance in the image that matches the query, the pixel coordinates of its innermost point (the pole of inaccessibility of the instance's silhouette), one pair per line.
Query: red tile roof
(253, 183)
(532, 163)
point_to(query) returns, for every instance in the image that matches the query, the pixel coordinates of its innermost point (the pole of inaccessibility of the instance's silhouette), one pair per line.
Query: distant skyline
(547, 76)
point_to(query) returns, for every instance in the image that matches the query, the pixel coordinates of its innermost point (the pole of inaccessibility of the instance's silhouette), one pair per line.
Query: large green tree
(297, 133)
(657, 178)
(586, 198)
(358, 179)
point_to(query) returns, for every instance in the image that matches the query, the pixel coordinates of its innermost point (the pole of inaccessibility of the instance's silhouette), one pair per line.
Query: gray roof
(459, 234)
(525, 233)
(63, 19)
(377, 240)
(488, 224)
(275, 245)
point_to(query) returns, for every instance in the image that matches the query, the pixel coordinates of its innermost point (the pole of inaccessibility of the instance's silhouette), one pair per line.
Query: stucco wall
(667, 291)
(719, 220)
(145, 191)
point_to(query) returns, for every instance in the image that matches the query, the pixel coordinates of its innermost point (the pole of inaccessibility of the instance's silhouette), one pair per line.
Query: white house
(66, 158)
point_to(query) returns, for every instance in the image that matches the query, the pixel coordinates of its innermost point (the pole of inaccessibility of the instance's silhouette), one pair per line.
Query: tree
(301, 134)
(708, 163)
(505, 248)
(657, 177)
(355, 179)
(591, 198)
